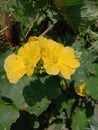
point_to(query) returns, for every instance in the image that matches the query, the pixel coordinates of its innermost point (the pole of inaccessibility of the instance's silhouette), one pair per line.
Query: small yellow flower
(31, 55)
(14, 67)
(51, 56)
(57, 58)
(80, 90)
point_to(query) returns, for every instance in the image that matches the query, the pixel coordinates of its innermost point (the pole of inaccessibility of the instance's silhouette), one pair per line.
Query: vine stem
(3, 29)
(47, 30)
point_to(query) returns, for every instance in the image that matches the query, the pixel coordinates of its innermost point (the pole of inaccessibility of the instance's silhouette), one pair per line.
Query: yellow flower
(40, 41)
(31, 55)
(80, 90)
(58, 58)
(22, 63)
(14, 67)
(50, 56)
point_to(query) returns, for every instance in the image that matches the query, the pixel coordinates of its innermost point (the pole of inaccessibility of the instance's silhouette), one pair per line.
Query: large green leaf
(79, 119)
(15, 91)
(8, 115)
(92, 85)
(47, 86)
(82, 15)
(79, 76)
(2, 72)
(86, 68)
(87, 60)
(38, 94)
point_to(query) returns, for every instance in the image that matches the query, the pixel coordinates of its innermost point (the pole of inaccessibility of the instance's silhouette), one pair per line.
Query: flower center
(55, 60)
(26, 61)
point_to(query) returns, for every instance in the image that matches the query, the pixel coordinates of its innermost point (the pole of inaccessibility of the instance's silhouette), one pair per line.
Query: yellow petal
(80, 90)
(14, 67)
(31, 55)
(33, 39)
(51, 69)
(66, 71)
(68, 57)
(50, 56)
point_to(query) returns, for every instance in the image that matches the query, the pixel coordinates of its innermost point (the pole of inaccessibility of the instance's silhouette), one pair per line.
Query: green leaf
(73, 16)
(92, 87)
(92, 84)
(15, 91)
(79, 76)
(2, 58)
(82, 15)
(67, 105)
(86, 68)
(8, 115)
(72, 2)
(87, 61)
(47, 86)
(38, 94)
(79, 119)
(2, 127)
(39, 107)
